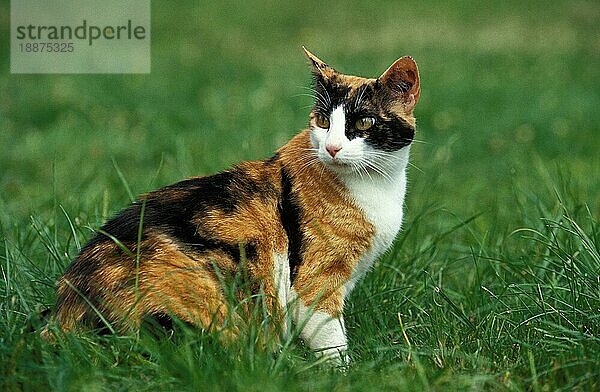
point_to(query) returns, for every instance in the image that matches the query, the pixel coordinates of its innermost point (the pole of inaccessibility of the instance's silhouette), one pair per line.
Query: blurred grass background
(508, 126)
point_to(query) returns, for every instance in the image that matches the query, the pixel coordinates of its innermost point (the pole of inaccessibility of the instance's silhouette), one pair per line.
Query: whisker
(326, 92)
(322, 172)
(318, 97)
(308, 154)
(383, 154)
(305, 95)
(358, 169)
(355, 169)
(381, 172)
(391, 159)
(386, 158)
(307, 164)
(360, 97)
(415, 166)
(367, 172)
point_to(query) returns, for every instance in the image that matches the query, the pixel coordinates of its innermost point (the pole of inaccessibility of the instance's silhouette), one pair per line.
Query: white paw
(335, 356)
(324, 334)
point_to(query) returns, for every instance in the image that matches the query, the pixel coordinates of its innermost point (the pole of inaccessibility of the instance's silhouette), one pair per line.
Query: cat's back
(195, 215)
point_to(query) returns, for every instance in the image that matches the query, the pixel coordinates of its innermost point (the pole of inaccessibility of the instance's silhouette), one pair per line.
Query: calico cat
(308, 222)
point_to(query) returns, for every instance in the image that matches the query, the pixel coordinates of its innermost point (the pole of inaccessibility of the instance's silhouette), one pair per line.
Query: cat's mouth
(338, 164)
(329, 159)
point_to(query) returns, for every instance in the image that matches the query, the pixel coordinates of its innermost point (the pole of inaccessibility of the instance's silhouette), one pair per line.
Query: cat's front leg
(324, 333)
(282, 285)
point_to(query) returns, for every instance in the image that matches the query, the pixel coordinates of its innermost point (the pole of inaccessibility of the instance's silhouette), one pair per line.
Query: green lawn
(494, 282)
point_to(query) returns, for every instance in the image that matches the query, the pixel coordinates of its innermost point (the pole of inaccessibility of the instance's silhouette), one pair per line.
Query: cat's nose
(333, 150)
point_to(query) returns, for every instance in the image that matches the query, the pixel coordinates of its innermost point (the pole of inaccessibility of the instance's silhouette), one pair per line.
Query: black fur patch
(329, 95)
(290, 214)
(223, 191)
(170, 210)
(389, 134)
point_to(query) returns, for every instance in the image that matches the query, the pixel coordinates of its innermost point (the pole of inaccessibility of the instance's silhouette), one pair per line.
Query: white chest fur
(381, 199)
(377, 187)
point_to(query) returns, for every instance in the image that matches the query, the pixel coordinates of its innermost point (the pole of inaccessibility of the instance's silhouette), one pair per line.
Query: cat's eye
(322, 121)
(362, 124)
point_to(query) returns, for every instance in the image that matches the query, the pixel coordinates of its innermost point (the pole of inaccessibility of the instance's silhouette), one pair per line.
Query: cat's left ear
(402, 78)
(319, 67)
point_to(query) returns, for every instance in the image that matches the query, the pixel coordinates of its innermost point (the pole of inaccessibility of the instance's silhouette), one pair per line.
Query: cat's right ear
(319, 67)
(402, 78)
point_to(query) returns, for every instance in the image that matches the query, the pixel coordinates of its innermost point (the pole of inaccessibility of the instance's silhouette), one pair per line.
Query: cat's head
(361, 124)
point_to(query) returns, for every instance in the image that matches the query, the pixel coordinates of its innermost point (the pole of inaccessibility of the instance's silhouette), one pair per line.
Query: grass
(494, 281)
